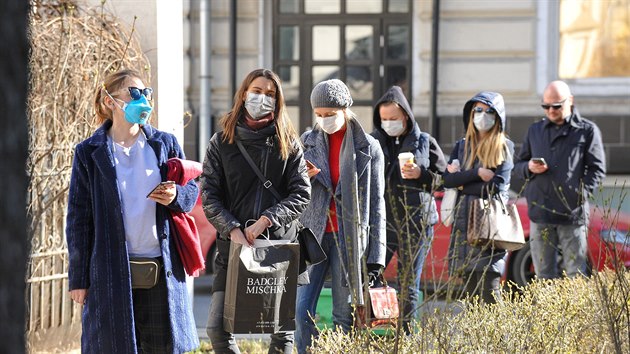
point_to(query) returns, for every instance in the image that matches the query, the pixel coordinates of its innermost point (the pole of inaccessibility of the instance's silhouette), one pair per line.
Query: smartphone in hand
(310, 165)
(539, 160)
(311, 169)
(165, 183)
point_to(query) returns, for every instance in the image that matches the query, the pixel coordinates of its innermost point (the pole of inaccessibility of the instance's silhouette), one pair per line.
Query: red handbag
(382, 308)
(384, 302)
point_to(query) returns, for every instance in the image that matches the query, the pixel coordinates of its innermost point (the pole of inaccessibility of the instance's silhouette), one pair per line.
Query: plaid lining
(150, 310)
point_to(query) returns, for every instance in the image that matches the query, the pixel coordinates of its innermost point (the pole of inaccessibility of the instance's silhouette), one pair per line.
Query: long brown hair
(112, 83)
(490, 151)
(284, 129)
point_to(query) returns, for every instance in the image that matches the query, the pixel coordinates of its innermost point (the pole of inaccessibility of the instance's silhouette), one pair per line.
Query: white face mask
(393, 127)
(483, 121)
(259, 105)
(332, 124)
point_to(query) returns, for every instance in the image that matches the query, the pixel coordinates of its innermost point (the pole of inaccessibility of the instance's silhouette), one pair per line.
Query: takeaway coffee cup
(403, 158)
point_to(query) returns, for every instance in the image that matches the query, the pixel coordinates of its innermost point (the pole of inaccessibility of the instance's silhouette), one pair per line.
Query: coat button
(163, 236)
(169, 273)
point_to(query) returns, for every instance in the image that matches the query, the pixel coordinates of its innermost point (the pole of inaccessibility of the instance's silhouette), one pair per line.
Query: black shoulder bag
(310, 248)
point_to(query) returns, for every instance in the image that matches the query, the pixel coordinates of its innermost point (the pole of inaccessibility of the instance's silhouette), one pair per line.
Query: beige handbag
(491, 222)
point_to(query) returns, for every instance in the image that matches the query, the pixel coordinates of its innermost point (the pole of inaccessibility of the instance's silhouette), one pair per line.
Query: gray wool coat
(371, 185)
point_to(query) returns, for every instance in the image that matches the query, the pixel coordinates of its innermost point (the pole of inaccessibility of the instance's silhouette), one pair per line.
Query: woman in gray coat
(347, 208)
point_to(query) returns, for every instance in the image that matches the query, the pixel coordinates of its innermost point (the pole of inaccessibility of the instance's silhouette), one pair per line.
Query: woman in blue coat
(113, 216)
(485, 155)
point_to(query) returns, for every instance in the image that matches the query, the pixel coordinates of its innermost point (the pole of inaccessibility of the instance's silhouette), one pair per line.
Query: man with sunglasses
(562, 161)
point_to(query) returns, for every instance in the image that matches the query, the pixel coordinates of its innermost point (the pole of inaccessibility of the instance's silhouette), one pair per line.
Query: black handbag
(310, 249)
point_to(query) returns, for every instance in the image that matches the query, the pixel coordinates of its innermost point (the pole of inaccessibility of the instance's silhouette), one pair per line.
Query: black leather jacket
(232, 194)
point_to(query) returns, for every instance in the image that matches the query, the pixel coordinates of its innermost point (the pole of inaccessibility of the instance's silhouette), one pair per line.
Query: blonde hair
(287, 135)
(112, 83)
(490, 151)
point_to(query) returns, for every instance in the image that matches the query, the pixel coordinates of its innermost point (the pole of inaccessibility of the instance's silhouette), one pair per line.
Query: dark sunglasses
(553, 106)
(136, 93)
(479, 109)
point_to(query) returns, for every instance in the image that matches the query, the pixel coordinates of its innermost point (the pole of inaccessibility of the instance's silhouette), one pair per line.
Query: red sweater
(334, 148)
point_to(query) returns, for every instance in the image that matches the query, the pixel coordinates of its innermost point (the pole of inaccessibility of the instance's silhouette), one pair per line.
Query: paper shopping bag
(261, 287)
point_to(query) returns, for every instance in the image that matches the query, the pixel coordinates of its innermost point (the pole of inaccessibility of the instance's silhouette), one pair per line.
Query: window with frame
(365, 43)
(594, 39)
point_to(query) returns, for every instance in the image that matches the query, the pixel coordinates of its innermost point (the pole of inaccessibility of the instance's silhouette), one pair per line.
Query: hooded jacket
(463, 257)
(98, 259)
(428, 156)
(232, 194)
(577, 164)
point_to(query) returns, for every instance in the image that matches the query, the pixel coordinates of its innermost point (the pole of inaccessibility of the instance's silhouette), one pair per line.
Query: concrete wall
(252, 47)
(159, 27)
(505, 46)
(509, 47)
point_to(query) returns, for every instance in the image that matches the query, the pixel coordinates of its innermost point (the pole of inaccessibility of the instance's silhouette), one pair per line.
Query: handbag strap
(266, 183)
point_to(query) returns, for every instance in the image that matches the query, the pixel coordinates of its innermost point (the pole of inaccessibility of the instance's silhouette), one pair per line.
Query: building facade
(513, 47)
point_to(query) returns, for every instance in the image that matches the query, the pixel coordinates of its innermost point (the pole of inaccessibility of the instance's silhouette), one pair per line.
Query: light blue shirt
(137, 173)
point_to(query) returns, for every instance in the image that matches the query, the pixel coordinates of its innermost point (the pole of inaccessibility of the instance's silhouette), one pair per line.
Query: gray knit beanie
(331, 94)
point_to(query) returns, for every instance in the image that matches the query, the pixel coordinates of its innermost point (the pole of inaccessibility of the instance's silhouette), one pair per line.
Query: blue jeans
(307, 296)
(224, 342)
(410, 253)
(545, 241)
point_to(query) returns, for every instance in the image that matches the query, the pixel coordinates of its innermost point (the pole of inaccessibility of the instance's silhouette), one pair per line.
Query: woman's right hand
(452, 168)
(485, 174)
(78, 295)
(236, 235)
(311, 169)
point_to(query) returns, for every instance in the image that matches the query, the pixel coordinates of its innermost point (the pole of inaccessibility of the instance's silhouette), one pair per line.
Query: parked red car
(608, 244)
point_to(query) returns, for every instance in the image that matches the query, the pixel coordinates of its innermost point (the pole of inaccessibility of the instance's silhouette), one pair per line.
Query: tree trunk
(14, 48)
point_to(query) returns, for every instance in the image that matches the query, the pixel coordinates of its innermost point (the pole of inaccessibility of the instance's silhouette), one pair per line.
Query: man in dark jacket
(411, 211)
(562, 161)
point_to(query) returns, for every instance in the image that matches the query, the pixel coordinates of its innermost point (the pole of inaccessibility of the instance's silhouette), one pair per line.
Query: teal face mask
(138, 110)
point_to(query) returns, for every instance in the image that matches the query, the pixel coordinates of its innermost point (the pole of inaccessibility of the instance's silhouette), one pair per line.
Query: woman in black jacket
(235, 200)
(486, 158)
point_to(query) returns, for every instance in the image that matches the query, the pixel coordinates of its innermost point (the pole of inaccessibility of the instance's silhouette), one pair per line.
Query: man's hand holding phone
(164, 193)
(537, 165)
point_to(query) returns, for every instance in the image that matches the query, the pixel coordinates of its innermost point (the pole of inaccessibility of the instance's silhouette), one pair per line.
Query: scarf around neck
(256, 124)
(351, 222)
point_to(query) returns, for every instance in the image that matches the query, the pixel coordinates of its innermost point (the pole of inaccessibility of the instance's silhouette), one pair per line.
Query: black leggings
(487, 285)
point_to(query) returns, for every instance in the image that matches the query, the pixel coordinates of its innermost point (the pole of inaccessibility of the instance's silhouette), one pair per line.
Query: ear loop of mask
(113, 99)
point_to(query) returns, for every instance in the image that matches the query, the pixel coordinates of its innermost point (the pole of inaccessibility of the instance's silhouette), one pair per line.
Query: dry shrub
(565, 315)
(72, 48)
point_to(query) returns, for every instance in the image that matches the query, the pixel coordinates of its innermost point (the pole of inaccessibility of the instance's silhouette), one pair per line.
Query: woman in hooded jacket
(234, 198)
(485, 157)
(411, 210)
